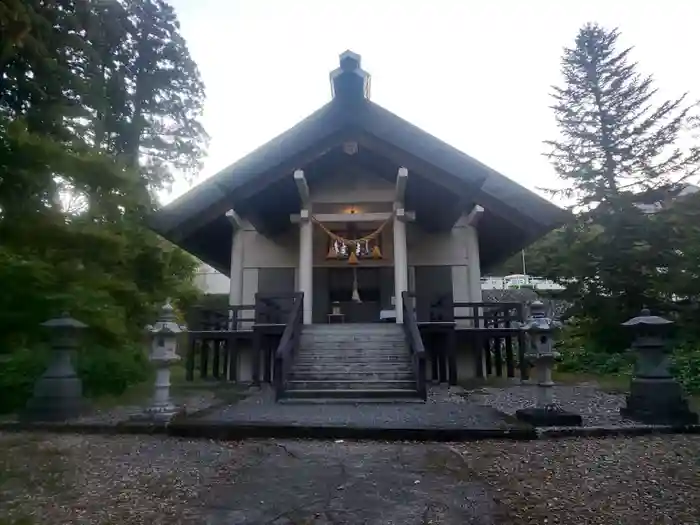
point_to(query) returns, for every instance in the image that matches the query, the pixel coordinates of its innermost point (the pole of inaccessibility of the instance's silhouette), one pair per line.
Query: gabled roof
(352, 116)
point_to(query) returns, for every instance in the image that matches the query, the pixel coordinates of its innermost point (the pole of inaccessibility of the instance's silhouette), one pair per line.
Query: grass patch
(615, 384)
(141, 393)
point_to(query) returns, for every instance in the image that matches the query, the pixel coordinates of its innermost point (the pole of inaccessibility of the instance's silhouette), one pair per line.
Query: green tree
(617, 145)
(78, 174)
(618, 149)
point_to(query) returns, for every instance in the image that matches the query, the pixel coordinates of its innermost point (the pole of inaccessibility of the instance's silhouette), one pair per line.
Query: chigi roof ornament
(350, 81)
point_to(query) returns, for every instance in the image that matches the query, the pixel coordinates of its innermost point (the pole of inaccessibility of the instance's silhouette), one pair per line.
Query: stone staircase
(352, 363)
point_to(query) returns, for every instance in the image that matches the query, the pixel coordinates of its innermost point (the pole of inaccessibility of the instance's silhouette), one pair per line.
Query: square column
(306, 264)
(400, 262)
(473, 265)
(235, 293)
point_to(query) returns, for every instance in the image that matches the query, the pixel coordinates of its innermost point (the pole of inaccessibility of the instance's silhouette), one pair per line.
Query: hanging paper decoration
(355, 287)
(332, 252)
(353, 249)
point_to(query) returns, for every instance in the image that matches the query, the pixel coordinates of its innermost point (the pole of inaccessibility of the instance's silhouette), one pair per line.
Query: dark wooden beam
(449, 217)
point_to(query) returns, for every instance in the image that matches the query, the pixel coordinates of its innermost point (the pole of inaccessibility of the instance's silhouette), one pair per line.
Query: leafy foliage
(99, 108)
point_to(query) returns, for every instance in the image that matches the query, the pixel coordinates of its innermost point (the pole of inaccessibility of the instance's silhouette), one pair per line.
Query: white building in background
(517, 281)
(210, 281)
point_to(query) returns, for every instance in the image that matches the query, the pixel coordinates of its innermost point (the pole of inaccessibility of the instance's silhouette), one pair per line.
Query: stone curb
(234, 431)
(240, 431)
(626, 431)
(68, 427)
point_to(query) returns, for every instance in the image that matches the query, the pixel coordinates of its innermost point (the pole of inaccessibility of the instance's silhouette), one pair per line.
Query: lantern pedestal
(58, 393)
(655, 397)
(161, 408)
(164, 336)
(658, 402)
(546, 413)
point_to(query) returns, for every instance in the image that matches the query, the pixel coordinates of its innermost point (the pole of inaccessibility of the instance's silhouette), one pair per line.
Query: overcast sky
(476, 74)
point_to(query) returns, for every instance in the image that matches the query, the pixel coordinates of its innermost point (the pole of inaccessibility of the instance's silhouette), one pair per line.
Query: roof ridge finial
(350, 81)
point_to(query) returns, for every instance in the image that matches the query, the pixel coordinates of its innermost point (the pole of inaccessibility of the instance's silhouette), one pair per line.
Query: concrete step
(340, 368)
(351, 384)
(352, 351)
(369, 359)
(352, 394)
(345, 341)
(349, 400)
(322, 375)
(354, 327)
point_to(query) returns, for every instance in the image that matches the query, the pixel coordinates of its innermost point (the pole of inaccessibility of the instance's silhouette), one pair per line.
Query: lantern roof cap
(646, 319)
(167, 321)
(64, 321)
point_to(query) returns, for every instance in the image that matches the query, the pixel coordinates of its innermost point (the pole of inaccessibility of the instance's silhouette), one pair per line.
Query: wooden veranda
(488, 332)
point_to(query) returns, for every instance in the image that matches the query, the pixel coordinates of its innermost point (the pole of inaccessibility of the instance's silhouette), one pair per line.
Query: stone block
(548, 417)
(658, 402)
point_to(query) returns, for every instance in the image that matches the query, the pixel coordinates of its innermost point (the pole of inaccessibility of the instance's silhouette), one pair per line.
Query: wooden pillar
(400, 250)
(306, 264)
(400, 263)
(235, 295)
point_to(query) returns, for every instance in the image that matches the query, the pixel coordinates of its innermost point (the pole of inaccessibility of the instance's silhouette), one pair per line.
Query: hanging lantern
(376, 252)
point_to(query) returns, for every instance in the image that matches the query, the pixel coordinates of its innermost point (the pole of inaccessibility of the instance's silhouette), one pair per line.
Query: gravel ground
(107, 480)
(597, 407)
(644, 480)
(125, 480)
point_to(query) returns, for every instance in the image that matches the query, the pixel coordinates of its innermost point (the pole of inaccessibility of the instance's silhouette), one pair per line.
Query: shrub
(686, 365)
(104, 371)
(110, 371)
(18, 373)
(581, 353)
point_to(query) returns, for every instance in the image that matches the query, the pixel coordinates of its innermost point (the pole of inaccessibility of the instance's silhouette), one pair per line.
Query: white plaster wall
(465, 363)
(250, 288)
(264, 252)
(436, 249)
(245, 363)
(210, 281)
(460, 292)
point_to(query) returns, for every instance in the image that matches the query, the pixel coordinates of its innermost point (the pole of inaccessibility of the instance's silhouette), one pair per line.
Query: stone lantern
(58, 393)
(655, 396)
(540, 330)
(163, 354)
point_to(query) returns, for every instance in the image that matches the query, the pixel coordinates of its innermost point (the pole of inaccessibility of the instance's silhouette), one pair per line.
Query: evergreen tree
(617, 149)
(615, 141)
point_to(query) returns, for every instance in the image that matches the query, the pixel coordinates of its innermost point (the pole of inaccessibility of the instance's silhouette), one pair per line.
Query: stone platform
(441, 418)
(450, 414)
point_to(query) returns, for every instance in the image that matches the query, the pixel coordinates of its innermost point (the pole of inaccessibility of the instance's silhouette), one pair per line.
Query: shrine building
(353, 206)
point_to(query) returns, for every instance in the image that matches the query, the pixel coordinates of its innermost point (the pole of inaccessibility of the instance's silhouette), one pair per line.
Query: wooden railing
(495, 330)
(213, 334)
(288, 345)
(415, 343)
